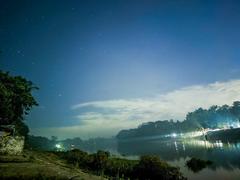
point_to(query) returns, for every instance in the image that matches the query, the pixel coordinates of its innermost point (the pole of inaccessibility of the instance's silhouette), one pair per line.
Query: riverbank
(224, 135)
(77, 164)
(112, 167)
(40, 165)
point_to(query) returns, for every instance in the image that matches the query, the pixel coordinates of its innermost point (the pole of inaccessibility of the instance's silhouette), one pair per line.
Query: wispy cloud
(106, 118)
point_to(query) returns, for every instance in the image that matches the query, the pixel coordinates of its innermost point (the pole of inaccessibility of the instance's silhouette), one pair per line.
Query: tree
(235, 109)
(151, 167)
(16, 100)
(100, 160)
(54, 139)
(21, 128)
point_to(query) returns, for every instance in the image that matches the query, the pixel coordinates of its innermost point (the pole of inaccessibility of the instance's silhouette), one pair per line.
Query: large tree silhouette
(16, 100)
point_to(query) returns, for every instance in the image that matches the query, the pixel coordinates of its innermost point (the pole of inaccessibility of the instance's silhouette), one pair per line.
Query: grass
(40, 165)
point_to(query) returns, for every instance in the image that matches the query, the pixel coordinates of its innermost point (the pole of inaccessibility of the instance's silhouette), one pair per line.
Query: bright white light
(219, 144)
(58, 146)
(174, 135)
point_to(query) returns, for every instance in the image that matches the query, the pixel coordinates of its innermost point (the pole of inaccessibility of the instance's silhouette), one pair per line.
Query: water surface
(224, 155)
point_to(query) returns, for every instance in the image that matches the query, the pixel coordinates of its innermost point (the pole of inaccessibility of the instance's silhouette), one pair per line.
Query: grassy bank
(40, 166)
(77, 164)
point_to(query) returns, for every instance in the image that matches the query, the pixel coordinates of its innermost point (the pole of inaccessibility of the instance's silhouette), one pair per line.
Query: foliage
(100, 160)
(120, 168)
(21, 128)
(16, 100)
(151, 167)
(197, 165)
(148, 167)
(214, 117)
(39, 143)
(227, 135)
(76, 157)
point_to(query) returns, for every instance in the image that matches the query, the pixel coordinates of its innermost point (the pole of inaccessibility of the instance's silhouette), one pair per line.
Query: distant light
(219, 144)
(58, 146)
(174, 135)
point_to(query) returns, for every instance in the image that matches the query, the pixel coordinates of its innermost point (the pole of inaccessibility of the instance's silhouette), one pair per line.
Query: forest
(215, 117)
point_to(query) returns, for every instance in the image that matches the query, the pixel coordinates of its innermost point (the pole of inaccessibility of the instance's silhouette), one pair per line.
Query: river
(225, 156)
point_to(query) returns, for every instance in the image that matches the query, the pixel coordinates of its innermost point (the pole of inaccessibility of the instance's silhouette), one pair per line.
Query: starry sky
(108, 65)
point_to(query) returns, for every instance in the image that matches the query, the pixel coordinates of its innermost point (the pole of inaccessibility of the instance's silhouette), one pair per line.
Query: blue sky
(96, 55)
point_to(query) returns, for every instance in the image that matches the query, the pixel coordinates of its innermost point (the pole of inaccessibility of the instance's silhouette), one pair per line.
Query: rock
(11, 145)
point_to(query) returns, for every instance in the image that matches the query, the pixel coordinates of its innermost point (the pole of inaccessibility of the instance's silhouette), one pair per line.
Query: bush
(148, 167)
(100, 160)
(120, 168)
(77, 157)
(151, 167)
(197, 164)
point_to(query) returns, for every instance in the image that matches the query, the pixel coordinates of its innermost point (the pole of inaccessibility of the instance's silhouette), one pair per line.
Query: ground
(40, 165)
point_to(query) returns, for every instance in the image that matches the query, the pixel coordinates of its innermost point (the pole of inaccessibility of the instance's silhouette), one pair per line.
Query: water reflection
(223, 154)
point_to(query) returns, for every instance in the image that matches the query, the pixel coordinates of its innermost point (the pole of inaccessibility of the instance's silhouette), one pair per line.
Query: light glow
(58, 146)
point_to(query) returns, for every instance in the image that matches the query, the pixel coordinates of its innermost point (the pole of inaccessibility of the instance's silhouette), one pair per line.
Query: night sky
(103, 66)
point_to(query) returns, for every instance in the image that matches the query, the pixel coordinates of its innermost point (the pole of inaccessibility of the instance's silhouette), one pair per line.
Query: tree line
(214, 117)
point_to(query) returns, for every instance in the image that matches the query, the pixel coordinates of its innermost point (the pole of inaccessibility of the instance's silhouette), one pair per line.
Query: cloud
(106, 118)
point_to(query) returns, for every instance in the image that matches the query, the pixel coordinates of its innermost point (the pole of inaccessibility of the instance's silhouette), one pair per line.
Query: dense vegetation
(16, 101)
(197, 165)
(214, 117)
(228, 135)
(101, 163)
(40, 143)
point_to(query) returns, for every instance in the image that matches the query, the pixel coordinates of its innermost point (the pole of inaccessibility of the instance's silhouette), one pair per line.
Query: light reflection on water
(225, 155)
(207, 173)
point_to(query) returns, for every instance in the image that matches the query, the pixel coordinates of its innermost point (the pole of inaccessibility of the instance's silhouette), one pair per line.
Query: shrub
(197, 164)
(151, 167)
(148, 167)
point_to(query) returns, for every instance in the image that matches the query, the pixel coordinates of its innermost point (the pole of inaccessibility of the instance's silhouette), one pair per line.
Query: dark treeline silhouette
(197, 165)
(90, 145)
(40, 143)
(214, 117)
(226, 135)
